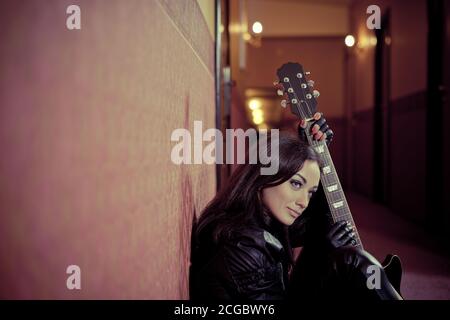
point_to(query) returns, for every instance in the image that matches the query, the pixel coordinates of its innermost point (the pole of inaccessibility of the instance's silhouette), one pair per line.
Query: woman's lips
(295, 213)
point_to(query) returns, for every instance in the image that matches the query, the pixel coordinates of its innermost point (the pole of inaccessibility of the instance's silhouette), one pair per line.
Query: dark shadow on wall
(187, 225)
(193, 230)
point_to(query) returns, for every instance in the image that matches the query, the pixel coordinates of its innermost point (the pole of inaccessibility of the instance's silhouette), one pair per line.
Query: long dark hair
(239, 203)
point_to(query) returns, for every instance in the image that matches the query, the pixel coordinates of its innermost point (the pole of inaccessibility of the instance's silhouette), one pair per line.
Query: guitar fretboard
(334, 193)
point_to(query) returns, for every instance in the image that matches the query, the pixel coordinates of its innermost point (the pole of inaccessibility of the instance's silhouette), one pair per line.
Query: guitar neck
(303, 104)
(332, 188)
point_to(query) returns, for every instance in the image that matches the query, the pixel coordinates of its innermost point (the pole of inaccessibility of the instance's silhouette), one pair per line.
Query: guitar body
(392, 266)
(303, 104)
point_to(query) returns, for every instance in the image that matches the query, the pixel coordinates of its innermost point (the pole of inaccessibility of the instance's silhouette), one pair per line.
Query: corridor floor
(426, 269)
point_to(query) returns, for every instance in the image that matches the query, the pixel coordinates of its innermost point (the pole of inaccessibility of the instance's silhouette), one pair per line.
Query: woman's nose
(302, 201)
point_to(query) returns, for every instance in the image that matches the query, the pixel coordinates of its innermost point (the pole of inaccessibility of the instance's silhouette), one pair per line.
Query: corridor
(426, 269)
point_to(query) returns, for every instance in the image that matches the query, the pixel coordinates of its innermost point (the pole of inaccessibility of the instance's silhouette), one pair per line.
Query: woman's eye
(296, 184)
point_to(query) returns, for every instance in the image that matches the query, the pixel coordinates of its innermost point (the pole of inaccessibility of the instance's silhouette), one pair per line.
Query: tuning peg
(316, 94)
(307, 72)
(283, 103)
(310, 83)
(280, 92)
(276, 83)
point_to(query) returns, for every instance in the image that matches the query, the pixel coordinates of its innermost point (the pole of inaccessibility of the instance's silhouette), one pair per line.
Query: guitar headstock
(298, 89)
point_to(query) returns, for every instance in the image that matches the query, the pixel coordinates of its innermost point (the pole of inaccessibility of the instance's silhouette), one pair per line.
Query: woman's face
(288, 200)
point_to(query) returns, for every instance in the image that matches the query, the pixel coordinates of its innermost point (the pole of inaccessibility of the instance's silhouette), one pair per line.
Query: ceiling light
(254, 104)
(257, 27)
(349, 40)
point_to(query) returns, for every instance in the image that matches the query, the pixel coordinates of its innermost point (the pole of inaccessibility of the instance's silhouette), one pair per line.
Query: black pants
(345, 273)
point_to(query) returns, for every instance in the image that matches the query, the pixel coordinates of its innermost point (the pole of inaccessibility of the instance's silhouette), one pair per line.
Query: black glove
(340, 234)
(323, 126)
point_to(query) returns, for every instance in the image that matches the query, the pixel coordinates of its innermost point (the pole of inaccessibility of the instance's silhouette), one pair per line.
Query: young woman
(242, 244)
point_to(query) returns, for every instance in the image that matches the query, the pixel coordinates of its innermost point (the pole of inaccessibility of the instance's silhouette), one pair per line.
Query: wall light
(366, 41)
(246, 36)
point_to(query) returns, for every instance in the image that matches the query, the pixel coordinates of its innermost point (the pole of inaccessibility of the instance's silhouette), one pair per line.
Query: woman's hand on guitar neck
(340, 234)
(319, 129)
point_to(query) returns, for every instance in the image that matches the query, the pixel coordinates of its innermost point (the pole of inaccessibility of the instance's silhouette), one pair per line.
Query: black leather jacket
(253, 263)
